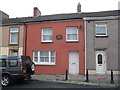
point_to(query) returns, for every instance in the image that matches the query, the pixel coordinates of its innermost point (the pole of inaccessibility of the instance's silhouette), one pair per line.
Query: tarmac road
(32, 84)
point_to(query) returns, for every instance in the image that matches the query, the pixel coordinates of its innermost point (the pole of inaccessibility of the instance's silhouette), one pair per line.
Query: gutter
(45, 21)
(10, 24)
(25, 39)
(40, 21)
(102, 18)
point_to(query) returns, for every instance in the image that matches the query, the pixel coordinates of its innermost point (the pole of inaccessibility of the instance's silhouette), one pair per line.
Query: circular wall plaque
(59, 37)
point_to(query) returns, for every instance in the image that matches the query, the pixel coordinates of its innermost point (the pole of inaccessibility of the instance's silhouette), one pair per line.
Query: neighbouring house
(12, 38)
(101, 42)
(3, 15)
(13, 35)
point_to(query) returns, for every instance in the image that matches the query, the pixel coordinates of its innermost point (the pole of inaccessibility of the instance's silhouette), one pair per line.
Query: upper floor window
(47, 35)
(101, 30)
(72, 34)
(14, 35)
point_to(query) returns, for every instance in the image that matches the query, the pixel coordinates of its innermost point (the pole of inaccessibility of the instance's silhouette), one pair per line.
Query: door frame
(103, 66)
(78, 67)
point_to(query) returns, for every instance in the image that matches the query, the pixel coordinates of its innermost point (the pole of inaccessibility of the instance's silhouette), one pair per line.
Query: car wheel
(6, 80)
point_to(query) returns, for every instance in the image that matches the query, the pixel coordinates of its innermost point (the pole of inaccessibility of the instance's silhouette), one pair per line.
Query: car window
(26, 60)
(2, 62)
(13, 63)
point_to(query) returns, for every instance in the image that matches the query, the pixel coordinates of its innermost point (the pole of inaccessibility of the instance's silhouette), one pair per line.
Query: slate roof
(57, 17)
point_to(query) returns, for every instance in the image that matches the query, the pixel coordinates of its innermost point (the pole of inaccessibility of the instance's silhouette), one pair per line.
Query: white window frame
(67, 35)
(43, 35)
(104, 25)
(17, 31)
(45, 63)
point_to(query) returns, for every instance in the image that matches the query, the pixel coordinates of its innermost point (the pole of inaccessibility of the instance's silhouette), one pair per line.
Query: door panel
(100, 62)
(74, 62)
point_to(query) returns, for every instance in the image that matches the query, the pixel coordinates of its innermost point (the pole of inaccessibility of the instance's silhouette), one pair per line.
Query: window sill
(72, 41)
(45, 64)
(47, 42)
(13, 44)
(101, 36)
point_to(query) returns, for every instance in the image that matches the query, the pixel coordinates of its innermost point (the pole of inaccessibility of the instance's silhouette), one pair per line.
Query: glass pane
(2, 63)
(101, 31)
(71, 30)
(47, 31)
(100, 25)
(99, 59)
(36, 54)
(41, 59)
(46, 59)
(47, 37)
(14, 29)
(52, 53)
(72, 37)
(13, 63)
(44, 54)
(72, 33)
(35, 59)
(52, 59)
(14, 38)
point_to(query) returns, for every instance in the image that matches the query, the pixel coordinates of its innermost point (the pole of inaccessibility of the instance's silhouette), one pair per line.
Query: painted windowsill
(45, 64)
(101, 36)
(13, 44)
(47, 42)
(72, 41)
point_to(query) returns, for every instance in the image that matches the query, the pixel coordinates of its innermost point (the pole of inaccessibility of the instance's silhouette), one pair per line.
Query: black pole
(87, 76)
(66, 77)
(112, 81)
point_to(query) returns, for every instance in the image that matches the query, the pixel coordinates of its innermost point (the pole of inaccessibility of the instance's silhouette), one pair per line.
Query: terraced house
(60, 42)
(56, 43)
(11, 34)
(102, 42)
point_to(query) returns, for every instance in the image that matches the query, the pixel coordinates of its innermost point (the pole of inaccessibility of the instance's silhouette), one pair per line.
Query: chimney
(79, 7)
(36, 12)
(3, 15)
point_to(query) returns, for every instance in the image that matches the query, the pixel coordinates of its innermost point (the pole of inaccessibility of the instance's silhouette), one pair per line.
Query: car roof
(12, 57)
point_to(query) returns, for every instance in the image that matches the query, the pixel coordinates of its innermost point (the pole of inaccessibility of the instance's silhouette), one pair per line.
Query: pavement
(101, 80)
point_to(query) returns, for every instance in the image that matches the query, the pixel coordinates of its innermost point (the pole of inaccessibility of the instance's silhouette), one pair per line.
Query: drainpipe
(85, 27)
(25, 39)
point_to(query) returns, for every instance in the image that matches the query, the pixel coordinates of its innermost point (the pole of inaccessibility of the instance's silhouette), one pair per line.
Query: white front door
(73, 62)
(100, 62)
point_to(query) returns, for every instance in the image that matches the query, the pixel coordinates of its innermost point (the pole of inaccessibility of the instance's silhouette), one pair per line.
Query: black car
(14, 68)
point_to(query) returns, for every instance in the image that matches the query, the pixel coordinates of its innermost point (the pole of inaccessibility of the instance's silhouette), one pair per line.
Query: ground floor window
(44, 57)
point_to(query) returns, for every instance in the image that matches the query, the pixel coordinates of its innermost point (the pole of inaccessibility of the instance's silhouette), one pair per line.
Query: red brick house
(56, 43)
